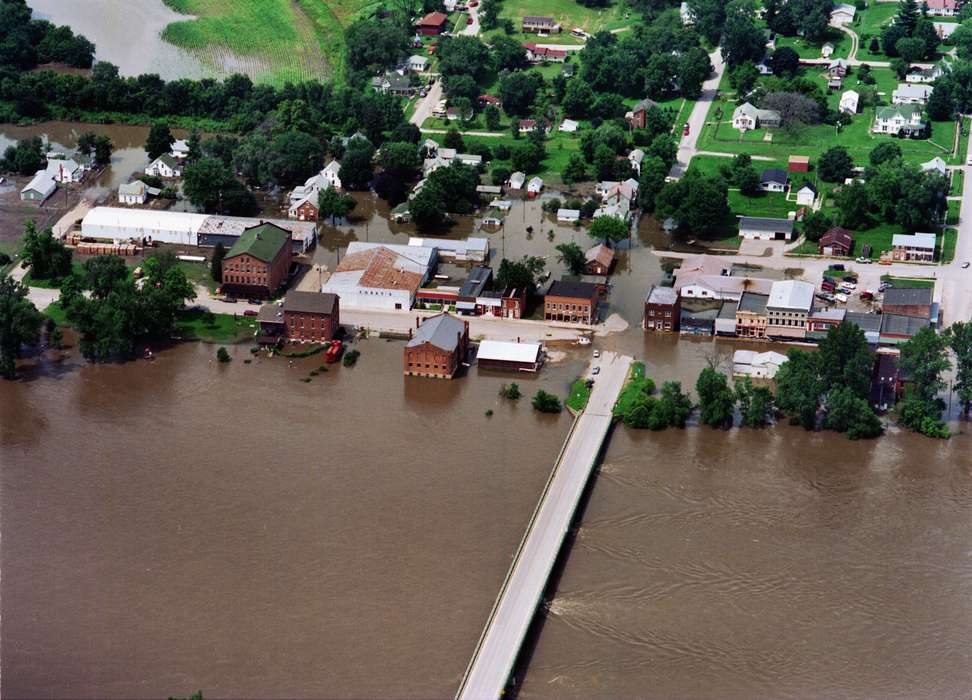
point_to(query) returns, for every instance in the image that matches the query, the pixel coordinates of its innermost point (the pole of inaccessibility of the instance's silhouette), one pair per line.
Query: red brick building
(303, 317)
(437, 348)
(571, 301)
(306, 210)
(638, 116)
(258, 262)
(836, 241)
(432, 24)
(598, 260)
(662, 309)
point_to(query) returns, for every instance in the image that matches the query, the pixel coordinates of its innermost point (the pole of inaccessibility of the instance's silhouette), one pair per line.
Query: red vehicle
(333, 353)
(469, 20)
(685, 129)
(251, 312)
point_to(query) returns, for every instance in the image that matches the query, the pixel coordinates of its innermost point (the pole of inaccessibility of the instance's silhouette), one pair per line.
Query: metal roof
(310, 302)
(908, 296)
(508, 351)
(791, 294)
(442, 331)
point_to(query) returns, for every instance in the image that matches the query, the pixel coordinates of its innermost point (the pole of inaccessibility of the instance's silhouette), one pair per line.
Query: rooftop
(662, 295)
(310, 302)
(508, 351)
(443, 331)
(753, 302)
(759, 223)
(580, 290)
(791, 294)
(908, 296)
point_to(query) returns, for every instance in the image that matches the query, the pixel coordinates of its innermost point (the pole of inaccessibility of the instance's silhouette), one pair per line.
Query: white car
(596, 370)
(969, 161)
(842, 298)
(597, 354)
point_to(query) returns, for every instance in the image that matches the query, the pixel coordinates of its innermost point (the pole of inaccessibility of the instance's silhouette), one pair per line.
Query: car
(969, 161)
(837, 267)
(685, 130)
(965, 265)
(254, 302)
(864, 261)
(469, 20)
(231, 300)
(596, 370)
(251, 312)
(842, 298)
(849, 285)
(597, 353)
(884, 285)
(423, 92)
(474, 3)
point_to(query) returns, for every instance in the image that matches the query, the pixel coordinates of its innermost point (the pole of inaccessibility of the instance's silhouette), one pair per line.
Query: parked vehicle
(965, 266)
(867, 295)
(842, 298)
(839, 267)
(596, 370)
(469, 20)
(597, 354)
(333, 353)
(251, 312)
(231, 300)
(864, 261)
(849, 285)
(685, 129)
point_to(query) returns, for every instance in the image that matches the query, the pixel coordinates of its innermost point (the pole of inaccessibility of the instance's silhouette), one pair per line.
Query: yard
(196, 324)
(580, 393)
(273, 41)
(840, 41)
(559, 146)
(569, 14)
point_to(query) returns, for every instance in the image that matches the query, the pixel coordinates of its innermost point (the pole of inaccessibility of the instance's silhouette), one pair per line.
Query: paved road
(687, 146)
(423, 110)
(488, 134)
(517, 602)
(472, 29)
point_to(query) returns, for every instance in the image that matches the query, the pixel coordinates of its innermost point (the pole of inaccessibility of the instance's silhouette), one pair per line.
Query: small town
(602, 231)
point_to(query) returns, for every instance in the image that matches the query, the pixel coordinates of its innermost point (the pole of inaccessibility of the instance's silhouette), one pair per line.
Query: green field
(948, 245)
(907, 283)
(870, 21)
(272, 41)
(580, 393)
(559, 146)
(806, 49)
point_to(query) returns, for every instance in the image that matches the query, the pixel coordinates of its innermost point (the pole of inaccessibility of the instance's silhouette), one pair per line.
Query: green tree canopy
(20, 324)
(717, 402)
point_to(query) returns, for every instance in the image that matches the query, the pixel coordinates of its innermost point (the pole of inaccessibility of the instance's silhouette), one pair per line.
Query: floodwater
(180, 524)
(126, 33)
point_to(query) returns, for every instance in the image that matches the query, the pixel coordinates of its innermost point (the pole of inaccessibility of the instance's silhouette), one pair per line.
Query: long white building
(380, 275)
(183, 228)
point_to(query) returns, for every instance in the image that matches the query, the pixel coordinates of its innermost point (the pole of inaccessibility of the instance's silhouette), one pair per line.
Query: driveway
(423, 110)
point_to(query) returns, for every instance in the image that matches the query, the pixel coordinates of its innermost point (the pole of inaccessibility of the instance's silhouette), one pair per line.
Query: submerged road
(508, 622)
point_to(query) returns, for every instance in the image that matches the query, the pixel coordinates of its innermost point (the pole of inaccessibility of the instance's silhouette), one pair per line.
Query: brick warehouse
(258, 262)
(437, 348)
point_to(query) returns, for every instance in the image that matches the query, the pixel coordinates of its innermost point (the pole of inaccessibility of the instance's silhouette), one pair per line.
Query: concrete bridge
(508, 622)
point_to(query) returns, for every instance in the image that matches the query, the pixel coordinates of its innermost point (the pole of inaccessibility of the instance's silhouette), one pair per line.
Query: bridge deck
(493, 659)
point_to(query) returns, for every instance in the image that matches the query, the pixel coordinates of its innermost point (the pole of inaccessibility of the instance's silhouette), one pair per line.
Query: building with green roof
(258, 262)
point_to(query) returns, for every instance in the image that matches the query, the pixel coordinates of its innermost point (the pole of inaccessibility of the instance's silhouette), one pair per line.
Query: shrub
(511, 391)
(351, 358)
(546, 403)
(223, 355)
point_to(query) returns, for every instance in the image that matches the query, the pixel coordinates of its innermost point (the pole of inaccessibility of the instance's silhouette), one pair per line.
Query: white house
(534, 186)
(165, 165)
(39, 188)
(774, 180)
(806, 195)
(568, 125)
(635, 158)
(760, 228)
(331, 175)
(747, 117)
(180, 149)
(914, 246)
(911, 94)
(842, 14)
(935, 165)
(417, 64)
(928, 75)
(849, 102)
(942, 8)
(568, 216)
(827, 50)
(762, 365)
(133, 192)
(891, 120)
(517, 180)
(685, 12)
(65, 170)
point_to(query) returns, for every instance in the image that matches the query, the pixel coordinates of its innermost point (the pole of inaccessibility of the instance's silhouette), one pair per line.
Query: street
(710, 88)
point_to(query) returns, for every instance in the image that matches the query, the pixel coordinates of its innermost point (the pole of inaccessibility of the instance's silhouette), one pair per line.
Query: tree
(850, 413)
(908, 15)
(492, 116)
(816, 224)
(49, 258)
(103, 148)
(518, 90)
(294, 156)
(959, 338)
(333, 204)
(785, 62)
(795, 109)
(400, 158)
(674, 406)
(910, 49)
(86, 142)
(835, 164)
(852, 202)
(575, 170)
(698, 202)
(453, 139)
(716, 400)
(743, 77)
(962, 39)
(572, 256)
(578, 99)
(845, 360)
(708, 16)
(608, 229)
(159, 141)
(651, 181)
(460, 55)
(692, 70)
(194, 146)
(372, 46)
(20, 324)
(798, 388)
(26, 157)
(511, 391)
(519, 274)
(222, 355)
(883, 152)
(923, 359)
(546, 403)
(755, 403)
(207, 184)
(941, 102)
(742, 39)
(527, 157)
(216, 264)
(356, 166)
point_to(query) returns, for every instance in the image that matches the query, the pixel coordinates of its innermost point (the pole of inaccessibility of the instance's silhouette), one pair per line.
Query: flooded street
(136, 47)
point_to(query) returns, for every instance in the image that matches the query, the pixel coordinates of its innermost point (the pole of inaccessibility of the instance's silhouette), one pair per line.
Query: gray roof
(866, 322)
(310, 302)
(902, 325)
(662, 295)
(758, 223)
(478, 278)
(774, 175)
(753, 303)
(442, 331)
(907, 296)
(728, 309)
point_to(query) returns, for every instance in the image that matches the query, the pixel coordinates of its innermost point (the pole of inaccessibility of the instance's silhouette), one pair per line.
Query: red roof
(839, 236)
(942, 4)
(433, 19)
(490, 99)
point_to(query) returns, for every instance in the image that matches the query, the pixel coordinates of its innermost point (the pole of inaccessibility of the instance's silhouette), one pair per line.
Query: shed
(568, 216)
(502, 355)
(798, 164)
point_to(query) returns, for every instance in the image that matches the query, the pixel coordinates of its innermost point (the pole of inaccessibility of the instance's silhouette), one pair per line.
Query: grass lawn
(879, 238)
(569, 14)
(958, 177)
(273, 41)
(580, 393)
(636, 385)
(771, 204)
(194, 324)
(76, 267)
(948, 245)
(11, 248)
(806, 49)
(198, 273)
(55, 312)
(906, 283)
(952, 217)
(869, 22)
(559, 146)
